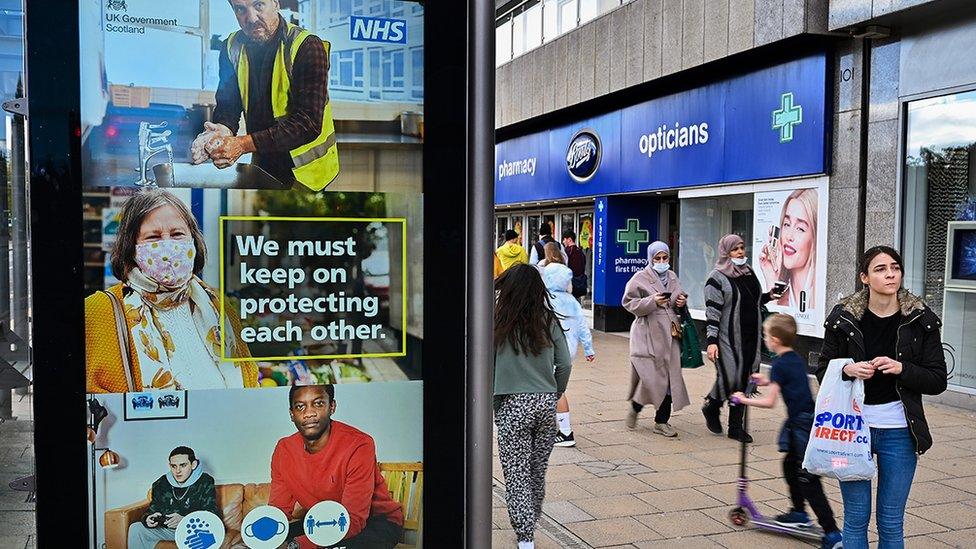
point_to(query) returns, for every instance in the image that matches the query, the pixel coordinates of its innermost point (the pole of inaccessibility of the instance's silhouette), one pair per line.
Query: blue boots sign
(767, 124)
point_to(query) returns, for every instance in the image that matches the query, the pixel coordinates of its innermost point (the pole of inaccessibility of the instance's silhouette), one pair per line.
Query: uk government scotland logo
(584, 155)
(787, 116)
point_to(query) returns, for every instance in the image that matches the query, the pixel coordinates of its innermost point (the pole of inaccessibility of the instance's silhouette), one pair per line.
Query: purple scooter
(746, 510)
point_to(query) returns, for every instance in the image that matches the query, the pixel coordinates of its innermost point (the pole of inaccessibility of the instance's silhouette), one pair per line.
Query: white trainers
(665, 429)
(631, 419)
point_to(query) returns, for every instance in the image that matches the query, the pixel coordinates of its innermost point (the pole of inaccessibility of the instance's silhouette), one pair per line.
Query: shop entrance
(528, 222)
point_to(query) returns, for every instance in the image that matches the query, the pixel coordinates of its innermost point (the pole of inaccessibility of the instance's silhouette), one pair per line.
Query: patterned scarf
(142, 299)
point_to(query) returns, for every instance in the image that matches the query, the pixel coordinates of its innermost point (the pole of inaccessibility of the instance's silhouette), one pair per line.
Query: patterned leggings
(526, 432)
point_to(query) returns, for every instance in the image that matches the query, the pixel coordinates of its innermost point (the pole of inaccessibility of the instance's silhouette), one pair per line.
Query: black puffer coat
(919, 348)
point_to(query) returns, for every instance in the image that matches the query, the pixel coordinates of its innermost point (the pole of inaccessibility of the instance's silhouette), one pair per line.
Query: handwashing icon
(311, 524)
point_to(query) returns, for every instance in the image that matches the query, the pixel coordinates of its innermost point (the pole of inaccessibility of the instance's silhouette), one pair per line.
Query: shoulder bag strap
(122, 331)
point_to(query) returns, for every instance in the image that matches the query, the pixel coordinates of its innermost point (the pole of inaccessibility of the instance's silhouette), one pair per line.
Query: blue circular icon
(583, 156)
(265, 527)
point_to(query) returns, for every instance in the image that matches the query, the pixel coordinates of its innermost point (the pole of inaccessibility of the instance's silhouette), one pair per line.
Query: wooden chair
(406, 484)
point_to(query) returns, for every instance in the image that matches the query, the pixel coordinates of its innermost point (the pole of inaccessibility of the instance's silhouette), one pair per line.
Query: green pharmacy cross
(633, 236)
(787, 116)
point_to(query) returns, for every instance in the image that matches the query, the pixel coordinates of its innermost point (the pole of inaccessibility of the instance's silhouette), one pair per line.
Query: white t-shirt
(890, 415)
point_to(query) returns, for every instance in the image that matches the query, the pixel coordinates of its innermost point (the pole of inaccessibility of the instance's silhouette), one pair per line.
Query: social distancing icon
(326, 523)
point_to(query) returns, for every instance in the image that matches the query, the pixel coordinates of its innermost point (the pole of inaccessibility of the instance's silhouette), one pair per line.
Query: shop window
(940, 217)
(703, 222)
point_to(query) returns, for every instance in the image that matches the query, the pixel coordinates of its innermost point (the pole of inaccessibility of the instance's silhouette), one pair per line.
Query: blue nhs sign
(378, 29)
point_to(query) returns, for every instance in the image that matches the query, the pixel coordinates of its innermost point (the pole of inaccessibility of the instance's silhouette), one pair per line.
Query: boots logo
(583, 156)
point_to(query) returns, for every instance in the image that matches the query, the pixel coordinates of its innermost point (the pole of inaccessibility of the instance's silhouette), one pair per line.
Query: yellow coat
(103, 357)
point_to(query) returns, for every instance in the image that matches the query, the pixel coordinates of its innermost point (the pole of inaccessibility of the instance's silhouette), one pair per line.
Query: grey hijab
(652, 250)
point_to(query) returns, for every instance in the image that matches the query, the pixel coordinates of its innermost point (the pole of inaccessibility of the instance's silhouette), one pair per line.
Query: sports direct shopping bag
(840, 441)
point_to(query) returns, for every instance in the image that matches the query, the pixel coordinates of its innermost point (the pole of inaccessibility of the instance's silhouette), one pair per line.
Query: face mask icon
(265, 528)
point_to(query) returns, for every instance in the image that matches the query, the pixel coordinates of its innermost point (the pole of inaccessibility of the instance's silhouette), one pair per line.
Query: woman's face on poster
(163, 223)
(797, 236)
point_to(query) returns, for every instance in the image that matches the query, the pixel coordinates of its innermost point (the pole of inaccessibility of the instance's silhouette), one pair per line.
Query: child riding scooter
(788, 377)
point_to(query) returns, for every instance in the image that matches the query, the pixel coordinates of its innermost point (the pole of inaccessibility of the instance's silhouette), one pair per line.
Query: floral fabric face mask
(169, 262)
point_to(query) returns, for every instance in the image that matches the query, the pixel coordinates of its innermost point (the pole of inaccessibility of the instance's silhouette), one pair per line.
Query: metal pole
(480, 304)
(18, 209)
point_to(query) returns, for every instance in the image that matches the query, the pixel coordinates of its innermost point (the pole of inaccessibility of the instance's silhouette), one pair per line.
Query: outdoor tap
(144, 181)
(158, 139)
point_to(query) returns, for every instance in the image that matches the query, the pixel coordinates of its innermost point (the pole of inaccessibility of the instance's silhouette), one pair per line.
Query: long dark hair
(523, 313)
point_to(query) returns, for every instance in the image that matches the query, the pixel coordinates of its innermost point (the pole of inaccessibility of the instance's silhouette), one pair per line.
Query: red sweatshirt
(345, 470)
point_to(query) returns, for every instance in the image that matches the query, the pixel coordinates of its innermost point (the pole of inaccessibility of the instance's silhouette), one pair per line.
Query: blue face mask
(264, 529)
(661, 268)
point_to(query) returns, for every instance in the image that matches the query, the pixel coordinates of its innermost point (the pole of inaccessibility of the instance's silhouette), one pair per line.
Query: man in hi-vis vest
(277, 74)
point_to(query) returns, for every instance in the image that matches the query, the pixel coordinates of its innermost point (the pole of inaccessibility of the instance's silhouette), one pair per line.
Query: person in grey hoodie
(532, 367)
(559, 281)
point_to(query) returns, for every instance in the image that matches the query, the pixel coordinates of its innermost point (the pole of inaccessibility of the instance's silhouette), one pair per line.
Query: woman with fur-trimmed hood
(893, 338)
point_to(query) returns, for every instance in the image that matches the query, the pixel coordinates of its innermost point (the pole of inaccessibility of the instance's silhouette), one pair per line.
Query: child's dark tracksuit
(790, 373)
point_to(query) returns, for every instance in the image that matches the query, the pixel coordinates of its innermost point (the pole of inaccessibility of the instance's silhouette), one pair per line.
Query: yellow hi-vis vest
(317, 162)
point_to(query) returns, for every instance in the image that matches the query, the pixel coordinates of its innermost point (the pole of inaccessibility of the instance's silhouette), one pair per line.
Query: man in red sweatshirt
(330, 461)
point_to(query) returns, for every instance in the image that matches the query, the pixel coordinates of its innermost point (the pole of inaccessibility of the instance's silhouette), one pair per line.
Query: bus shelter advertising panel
(253, 270)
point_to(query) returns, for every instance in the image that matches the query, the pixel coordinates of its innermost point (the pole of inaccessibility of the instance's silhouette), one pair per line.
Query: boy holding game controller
(185, 489)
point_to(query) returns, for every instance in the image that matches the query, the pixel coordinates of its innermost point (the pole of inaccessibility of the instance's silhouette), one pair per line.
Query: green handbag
(691, 356)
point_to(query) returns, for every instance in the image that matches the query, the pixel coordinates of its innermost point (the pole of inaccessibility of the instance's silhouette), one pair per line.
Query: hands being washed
(209, 140)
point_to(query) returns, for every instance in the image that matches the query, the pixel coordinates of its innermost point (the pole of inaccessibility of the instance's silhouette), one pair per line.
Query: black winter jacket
(919, 348)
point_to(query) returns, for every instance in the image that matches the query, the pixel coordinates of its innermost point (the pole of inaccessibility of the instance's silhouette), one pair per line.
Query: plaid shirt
(306, 102)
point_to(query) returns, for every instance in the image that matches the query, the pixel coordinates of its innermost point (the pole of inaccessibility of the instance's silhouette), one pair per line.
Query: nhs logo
(378, 29)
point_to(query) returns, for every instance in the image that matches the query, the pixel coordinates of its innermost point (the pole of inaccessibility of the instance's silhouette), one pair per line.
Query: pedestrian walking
(558, 280)
(532, 367)
(538, 252)
(788, 377)
(552, 254)
(575, 260)
(893, 338)
(655, 297)
(733, 301)
(511, 252)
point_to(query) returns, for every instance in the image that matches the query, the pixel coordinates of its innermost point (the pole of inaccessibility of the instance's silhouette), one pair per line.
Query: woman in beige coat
(655, 297)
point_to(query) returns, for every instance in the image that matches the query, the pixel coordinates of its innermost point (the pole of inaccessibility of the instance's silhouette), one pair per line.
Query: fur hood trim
(857, 303)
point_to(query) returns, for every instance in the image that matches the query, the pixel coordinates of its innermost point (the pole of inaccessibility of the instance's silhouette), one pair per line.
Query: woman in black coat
(893, 338)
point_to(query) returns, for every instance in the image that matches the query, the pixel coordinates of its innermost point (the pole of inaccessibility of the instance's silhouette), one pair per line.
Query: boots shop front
(734, 156)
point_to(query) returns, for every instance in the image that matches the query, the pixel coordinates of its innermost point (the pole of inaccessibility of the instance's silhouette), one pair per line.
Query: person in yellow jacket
(511, 252)
(277, 75)
(160, 328)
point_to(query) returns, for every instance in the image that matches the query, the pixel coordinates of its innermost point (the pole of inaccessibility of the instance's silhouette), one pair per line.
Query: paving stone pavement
(635, 489)
(17, 526)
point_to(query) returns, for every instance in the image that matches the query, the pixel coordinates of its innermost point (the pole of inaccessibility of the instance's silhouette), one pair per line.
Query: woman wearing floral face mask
(160, 328)
(733, 298)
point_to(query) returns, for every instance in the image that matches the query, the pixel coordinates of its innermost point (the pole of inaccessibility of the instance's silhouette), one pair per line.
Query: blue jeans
(896, 459)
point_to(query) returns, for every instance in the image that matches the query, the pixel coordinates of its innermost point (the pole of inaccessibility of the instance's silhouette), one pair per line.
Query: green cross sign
(633, 236)
(787, 116)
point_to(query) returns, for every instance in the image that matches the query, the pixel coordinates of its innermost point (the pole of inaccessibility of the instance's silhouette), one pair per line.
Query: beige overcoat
(655, 355)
